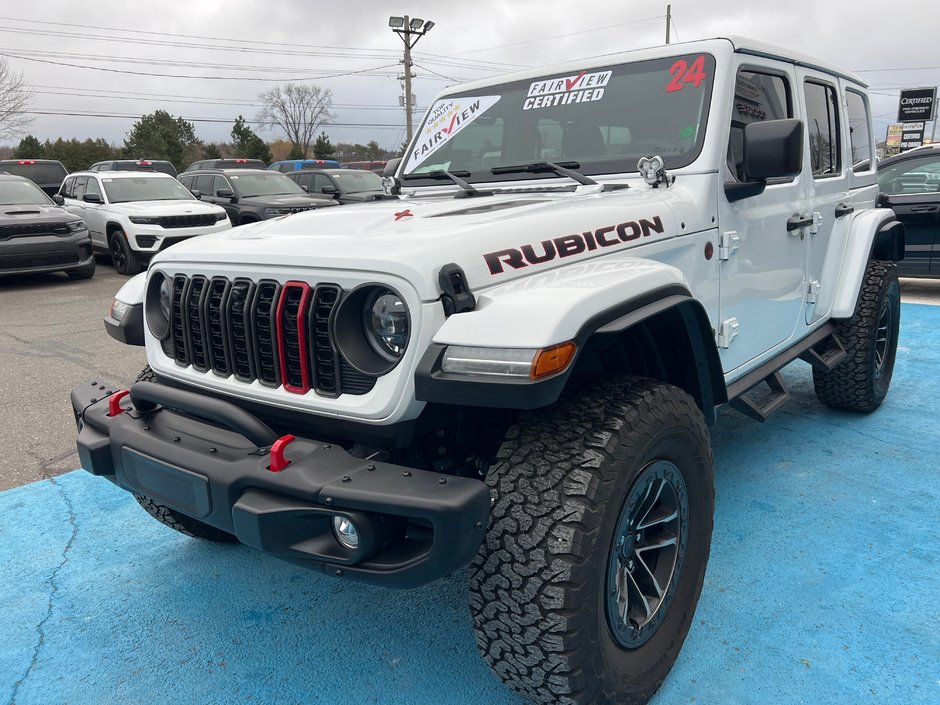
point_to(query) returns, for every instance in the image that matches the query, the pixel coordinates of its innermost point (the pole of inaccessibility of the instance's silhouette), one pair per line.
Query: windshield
(605, 119)
(271, 184)
(14, 192)
(352, 181)
(145, 188)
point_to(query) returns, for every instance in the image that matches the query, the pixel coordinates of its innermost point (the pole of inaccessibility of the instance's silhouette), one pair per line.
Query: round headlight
(157, 303)
(371, 329)
(385, 319)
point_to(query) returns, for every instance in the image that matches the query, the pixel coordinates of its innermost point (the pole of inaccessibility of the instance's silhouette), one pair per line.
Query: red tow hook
(278, 461)
(114, 403)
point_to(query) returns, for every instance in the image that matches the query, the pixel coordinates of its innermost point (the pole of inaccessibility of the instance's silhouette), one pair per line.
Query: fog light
(345, 532)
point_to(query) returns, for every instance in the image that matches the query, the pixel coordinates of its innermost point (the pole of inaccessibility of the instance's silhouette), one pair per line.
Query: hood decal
(569, 245)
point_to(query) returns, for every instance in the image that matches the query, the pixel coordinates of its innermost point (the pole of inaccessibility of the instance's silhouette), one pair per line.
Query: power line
(376, 125)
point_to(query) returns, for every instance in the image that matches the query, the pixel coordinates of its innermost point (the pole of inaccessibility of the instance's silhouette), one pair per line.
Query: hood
(158, 208)
(493, 238)
(287, 200)
(39, 213)
(362, 196)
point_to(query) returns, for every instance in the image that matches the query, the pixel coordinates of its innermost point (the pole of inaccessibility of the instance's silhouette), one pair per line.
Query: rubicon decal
(569, 245)
(583, 87)
(446, 118)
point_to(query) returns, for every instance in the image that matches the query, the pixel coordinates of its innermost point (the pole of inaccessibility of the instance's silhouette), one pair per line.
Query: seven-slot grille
(276, 334)
(188, 221)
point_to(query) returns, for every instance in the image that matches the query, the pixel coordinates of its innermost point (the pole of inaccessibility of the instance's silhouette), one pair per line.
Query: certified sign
(917, 104)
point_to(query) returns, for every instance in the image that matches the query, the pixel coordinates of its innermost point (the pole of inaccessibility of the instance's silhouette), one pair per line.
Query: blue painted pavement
(823, 586)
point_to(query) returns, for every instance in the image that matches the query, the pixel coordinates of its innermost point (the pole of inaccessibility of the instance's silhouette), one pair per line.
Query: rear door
(912, 188)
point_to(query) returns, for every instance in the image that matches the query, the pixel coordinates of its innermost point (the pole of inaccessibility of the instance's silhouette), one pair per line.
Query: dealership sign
(912, 135)
(917, 104)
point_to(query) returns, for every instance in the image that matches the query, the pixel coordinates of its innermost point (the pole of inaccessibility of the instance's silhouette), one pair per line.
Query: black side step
(761, 408)
(825, 355)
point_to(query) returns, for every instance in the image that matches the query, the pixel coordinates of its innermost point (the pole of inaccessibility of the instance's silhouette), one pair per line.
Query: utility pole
(410, 31)
(668, 21)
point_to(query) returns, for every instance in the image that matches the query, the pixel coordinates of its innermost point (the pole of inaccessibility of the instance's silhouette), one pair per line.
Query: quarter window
(859, 132)
(822, 118)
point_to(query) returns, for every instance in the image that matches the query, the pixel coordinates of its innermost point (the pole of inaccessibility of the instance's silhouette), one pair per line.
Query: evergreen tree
(296, 152)
(211, 151)
(161, 136)
(28, 148)
(323, 148)
(247, 144)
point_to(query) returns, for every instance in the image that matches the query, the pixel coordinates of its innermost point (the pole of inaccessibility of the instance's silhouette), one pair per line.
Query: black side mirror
(225, 193)
(58, 199)
(197, 194)
(329, 189)
(391, 167)
(772, 150)
(91, 198)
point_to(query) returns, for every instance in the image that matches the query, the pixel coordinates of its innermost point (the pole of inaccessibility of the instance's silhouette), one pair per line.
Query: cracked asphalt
(52, 338)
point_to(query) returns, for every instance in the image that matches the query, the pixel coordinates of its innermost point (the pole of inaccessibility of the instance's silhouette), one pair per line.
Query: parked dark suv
(36, 235)
(342, 185)
(47, 174)
(910, 184)
(249, 195)
(226, 164)
(160, 165)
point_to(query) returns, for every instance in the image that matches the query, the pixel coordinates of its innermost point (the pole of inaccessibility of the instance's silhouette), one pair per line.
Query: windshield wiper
(466, 189)
(561, 169)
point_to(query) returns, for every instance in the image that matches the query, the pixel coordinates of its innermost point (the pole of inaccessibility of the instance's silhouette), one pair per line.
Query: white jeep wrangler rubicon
(514, 365)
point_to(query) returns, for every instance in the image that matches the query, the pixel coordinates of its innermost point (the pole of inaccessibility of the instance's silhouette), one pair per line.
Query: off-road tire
(539, 584)
(124, 259)
(86, 272)
(172, 518)
(860, 383)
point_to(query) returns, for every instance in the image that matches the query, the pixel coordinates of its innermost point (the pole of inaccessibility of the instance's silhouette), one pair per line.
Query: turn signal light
(548, 361)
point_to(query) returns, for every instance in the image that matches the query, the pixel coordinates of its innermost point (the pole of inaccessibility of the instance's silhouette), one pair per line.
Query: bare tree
(298, 109)
(15, 99)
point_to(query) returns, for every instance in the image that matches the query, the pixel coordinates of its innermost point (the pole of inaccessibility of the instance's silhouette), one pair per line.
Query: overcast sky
(241, 41)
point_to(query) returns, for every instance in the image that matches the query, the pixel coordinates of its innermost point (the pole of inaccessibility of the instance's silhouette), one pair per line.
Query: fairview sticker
(583, 87)
(446, 119)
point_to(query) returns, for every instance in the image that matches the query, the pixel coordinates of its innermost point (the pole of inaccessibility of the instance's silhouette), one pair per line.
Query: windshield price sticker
(581, 88)
(446, 119)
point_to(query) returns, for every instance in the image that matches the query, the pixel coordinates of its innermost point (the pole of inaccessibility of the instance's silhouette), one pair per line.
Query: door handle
(796, 222)
(844, 209)
(923, 209)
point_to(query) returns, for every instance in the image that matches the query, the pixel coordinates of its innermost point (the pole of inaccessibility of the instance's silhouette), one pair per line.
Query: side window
(822, 119)
(66, 189)
(187, 181)
(203, 184)
(859, 132)
(319, 181)
(921, 175)
(757, 97)
(79, 189)
(219, 183)
(91, 186)
(104, 167)
(286, 167)
(305, 180)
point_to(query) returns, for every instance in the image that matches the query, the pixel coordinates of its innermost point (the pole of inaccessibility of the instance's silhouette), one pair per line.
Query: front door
(762, 261)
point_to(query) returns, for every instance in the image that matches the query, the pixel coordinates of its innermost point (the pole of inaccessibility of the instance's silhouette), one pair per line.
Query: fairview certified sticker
(445, 120)
(580, 88)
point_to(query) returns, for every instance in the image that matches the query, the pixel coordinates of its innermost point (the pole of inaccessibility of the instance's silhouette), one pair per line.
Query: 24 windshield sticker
(446, 119)
(581, 88)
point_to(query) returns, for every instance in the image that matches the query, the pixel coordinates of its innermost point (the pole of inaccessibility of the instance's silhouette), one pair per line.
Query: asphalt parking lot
(52, 338)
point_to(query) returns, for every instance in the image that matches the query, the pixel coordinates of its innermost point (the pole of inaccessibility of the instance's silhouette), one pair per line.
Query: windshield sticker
(581, 88)
(683, 73)
(446, 119)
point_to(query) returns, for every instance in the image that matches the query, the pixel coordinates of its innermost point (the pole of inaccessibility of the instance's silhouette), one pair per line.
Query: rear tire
(124, 259)
(870, 337)
(572, 523)
(172, 518)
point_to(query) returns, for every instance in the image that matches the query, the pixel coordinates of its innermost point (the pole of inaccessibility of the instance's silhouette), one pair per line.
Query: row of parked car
(130, 209)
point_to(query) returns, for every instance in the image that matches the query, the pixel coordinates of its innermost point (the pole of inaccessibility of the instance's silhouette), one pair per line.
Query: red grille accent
(292, 336)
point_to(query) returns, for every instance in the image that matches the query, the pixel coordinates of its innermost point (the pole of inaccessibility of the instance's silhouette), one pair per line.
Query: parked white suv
(515, 365)
(133, 215)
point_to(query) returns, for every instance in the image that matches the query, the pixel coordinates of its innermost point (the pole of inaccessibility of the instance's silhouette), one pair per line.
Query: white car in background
(133, 215)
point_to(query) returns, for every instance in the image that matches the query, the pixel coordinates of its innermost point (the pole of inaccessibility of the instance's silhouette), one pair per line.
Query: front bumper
(415, 526)
(45, 253)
